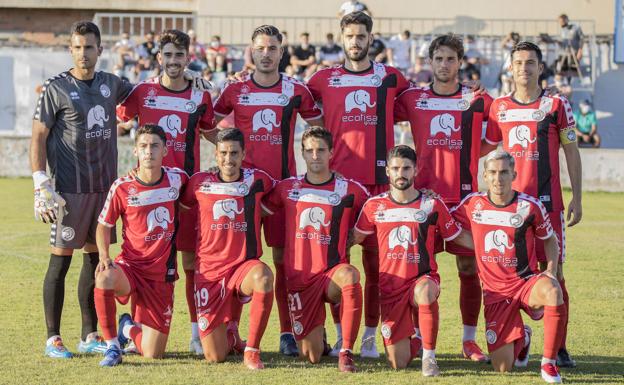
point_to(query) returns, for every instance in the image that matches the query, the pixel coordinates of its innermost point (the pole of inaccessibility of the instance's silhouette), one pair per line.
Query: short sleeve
(565, 122)
(48, 105)
(272, 202)
(129, 108)
(460, 214)
(315, 85)
(542, 226)
(113, 207)
(448, 227)
(188, 198)
(402, 83)
(123, 89)
(400, 108)
(493, 132)
(207, 121)
(309, 110)
(361, 195)
(365, 223)
(223, 105)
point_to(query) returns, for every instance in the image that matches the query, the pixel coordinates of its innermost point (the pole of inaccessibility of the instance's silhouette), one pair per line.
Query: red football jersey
(533, 133)
(228, 220)
(359, 109)
(447, 131)
(318, 220)
(267, 117)
(406, 237)
(504, 240)
(149, 217)
(182, 114)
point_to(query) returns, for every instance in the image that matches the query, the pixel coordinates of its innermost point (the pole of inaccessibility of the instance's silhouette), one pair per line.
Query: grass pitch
(594, 276)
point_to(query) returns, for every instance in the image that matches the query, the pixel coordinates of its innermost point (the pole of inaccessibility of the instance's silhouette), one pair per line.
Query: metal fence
(113, 24)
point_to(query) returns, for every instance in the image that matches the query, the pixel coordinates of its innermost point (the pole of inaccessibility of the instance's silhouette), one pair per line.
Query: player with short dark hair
(145, 270)
(74, 131)
(265, 106)
(358, 103)
(184, 113)
(320, 210)
(532, 127)
(406, 223)
(447, 120)
(504, 224)
(228, 271)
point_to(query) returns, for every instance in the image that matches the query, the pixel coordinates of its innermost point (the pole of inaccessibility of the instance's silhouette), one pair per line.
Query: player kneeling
(405, 222)
(320, 209)
(228, 272)
(146, 268)
(504, 224)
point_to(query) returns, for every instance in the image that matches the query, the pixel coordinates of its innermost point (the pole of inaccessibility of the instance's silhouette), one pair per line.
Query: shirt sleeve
(565, 122)
(365, 223)
(223, 105)
(541, 225)
(48, 105)
(492, 132)
(123, 89)
(460, 214)
(315, 85)
(207, 121)
(309, 110)
(361, 195)
(129, 108)
(113, 207)
(272, 202)
(188, 198)
(400, 108)
(448, 227)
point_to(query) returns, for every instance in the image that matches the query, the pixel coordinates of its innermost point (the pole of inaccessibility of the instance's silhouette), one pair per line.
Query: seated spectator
(330, 54)
(420, 74)
(562, 84)
(216, 55)
(303, 59)
(197, 53)
(400, 50)
(148, 57)
(285, 60)
(473, 59)
(353, 6)
(126, 54)
(586, 125)
(377, 49)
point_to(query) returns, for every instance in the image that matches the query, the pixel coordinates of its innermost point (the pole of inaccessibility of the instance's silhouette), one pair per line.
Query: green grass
(596, 339)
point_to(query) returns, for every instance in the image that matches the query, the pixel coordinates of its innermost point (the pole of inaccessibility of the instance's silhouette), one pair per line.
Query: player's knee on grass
(425, 292)
(188, 260)
(311, 347)
(503, 358)
(153, 343)
(215, 345)
(466, 265)
(399, 355)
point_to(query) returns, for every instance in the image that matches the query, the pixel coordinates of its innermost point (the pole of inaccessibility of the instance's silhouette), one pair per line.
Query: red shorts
(307, 306)
(370, 242)
(214, 299)
(440, 245)
(186, 237)
(275, 229)
(396, 316)
(152, 300)
(503, 321)
(558, 223)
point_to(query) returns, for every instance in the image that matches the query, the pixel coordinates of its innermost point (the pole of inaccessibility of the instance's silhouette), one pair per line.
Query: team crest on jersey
(335, 73)
(173, 193)
(375, 80)
(538, 115)
(463, 104)
(244, 89)
(490, 336)
(190, 106)
(333, 199)
(423, 101)
(516, 220)
(282, 100)
(105, 91)
(420, 216)
(386, 331)
(243, 189)
(132, 190)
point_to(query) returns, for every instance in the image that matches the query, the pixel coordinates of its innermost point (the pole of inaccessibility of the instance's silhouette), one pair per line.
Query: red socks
(351, 314)
(259, 312)
(554, 323)
(429, 321)
(190, 294)
(469, 298)
(370, 260)
(281, 298)
(106, 310)
(566, 302)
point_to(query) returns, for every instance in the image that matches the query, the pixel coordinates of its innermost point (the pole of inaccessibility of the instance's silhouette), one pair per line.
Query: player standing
(447, 120)
(74, 131)
(320, 210)
(504, 225)
(145, 270)
(406, 223)
(228, 269)
(532, 127)
(183, 112)
(358, 104)
(265, 106)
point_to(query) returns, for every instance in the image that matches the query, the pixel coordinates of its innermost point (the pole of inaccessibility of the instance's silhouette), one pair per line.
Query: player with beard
(447, 120)
(406, 224)
(358, 104)
(265, 106)
(184, 113)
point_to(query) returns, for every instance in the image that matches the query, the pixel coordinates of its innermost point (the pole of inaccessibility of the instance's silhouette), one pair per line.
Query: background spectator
(586, 125)
(330, 54)
(216, 55)
(400, 51)
(570, 47)
(421, 75)
(377, 51)
(506, 79)
(353, 6)
(285, 61)
(197, 53)
(148, 57)
(303, 59)
(126, 55)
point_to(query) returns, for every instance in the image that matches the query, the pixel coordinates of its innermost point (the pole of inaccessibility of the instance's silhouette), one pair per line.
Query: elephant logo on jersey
(172, 124)
(497, 240)
(96, 117)
(313, 216)
(444, 123)
(266, 119)
(520, 135)
(159, 217)
(359, 99)
(225, 208)
(401, 236)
